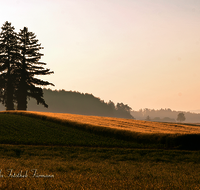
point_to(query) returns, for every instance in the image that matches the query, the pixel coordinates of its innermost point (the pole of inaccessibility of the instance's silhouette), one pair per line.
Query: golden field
(126, 124)
(152, 158)
(99, 168)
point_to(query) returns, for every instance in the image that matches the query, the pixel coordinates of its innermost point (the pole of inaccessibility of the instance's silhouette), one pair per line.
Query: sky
(144, 53)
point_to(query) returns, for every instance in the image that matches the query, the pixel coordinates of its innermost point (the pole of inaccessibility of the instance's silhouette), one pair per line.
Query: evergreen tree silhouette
(30, 67)
(9, 54)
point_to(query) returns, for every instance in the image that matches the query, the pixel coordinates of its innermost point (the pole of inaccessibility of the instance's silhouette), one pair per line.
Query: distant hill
(164, 115)
(61, 101)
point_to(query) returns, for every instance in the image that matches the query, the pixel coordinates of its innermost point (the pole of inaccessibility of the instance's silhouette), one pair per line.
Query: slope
(72, 130)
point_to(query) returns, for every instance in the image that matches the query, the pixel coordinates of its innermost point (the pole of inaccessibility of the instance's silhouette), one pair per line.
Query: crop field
(23, 130)
(98, 168)
(127, 124)
(137, 133)
(76, 152)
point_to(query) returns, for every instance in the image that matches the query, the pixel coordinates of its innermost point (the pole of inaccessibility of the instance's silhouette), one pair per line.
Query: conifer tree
(28, 85)
(9, 53)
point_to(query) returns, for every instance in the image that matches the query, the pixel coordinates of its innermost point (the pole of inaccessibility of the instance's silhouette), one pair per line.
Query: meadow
(91, 155)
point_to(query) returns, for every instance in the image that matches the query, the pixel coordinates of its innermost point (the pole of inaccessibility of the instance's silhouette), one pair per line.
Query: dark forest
(61, 101)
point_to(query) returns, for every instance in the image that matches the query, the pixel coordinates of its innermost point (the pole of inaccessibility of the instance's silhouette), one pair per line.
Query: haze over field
(143, 53)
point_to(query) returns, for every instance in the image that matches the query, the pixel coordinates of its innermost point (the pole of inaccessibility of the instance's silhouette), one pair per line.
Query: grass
(119, 123)
(20, 129)
(108, 129)
(100, 168)
(85, 156)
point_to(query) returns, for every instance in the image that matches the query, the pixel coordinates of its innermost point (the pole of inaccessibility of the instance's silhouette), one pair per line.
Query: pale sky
(144, 53)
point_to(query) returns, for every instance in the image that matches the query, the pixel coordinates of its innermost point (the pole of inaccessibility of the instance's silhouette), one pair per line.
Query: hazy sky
(144, 53)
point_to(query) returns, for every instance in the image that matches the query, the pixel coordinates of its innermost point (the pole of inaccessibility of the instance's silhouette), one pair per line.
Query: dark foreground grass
(102, 136)
(99, 168)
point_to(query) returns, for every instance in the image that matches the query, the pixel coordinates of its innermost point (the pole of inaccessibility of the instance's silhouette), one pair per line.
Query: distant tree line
(19, 64)
(61, 101)
(158, 119)
(166, 115)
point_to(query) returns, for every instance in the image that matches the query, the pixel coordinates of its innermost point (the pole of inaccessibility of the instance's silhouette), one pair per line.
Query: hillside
(130, 133)
(23, 130)
(126, 124)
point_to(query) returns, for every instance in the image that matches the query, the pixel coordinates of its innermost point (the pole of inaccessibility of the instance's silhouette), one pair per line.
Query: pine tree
(28, 85)
(9, 53)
